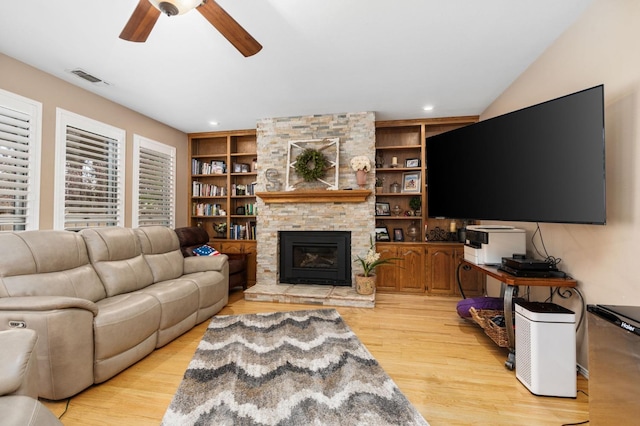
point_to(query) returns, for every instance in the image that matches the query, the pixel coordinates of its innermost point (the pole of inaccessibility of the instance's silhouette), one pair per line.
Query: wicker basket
(483, 318)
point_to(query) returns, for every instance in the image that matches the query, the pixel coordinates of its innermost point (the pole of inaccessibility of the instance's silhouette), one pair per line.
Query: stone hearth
(309, 294)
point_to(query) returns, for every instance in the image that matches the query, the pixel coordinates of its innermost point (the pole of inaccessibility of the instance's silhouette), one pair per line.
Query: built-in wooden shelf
(315, 196)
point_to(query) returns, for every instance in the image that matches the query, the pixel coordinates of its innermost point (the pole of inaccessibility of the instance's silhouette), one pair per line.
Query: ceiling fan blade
(141, 23)
(229, 28)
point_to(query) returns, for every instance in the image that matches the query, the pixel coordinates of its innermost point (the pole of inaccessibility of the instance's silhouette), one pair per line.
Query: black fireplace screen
(315, 257)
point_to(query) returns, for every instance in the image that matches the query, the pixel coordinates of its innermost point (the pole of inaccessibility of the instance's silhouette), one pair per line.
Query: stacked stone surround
(356, 132)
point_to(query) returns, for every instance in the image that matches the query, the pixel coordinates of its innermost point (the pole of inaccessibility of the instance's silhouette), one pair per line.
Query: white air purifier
(546, 348)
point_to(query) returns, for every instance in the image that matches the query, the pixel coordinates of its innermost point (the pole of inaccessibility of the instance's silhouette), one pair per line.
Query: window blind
(156, 186)
(92, 178)
(17, 177)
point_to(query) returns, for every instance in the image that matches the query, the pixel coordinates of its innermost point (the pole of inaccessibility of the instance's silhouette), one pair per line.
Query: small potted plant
(221, 229)
(415, 203)
(379, 184)
(366, 281)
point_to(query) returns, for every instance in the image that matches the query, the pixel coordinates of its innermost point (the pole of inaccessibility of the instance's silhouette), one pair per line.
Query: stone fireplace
(356, 132)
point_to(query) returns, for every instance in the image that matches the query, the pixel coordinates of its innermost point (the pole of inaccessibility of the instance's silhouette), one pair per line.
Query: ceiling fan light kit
(175, 7)
(146, 14)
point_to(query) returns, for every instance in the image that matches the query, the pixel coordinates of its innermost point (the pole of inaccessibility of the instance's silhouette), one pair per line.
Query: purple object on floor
(478, 303)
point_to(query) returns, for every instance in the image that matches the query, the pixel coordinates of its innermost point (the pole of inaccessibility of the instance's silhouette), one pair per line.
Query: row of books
(216, 167)
(246, 231)
(207, 209)
(248, 209)
(208, 190)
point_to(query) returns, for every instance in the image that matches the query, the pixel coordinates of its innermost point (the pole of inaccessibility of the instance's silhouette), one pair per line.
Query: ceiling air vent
(86, 76)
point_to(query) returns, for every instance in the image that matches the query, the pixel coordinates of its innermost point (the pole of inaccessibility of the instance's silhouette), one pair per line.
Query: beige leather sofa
(102, 299)
(19, 405)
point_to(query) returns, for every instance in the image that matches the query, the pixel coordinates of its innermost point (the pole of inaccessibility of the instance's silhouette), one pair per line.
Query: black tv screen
(544, 163)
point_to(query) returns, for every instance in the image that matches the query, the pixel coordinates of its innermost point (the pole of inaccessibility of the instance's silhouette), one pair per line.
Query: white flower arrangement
(360, 162)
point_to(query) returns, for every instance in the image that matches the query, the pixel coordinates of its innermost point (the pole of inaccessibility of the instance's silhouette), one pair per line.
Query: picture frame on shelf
(412, 162)
(382, 233)
(383, 209)
(411, 182)
(398, 234)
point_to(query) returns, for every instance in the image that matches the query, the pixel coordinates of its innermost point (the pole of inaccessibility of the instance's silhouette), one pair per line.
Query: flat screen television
(544, 163)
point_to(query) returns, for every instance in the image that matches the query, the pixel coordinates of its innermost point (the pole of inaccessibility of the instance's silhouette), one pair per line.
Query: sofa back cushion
(190, 238)
(117, 258)
(161, 250)
(47, 263)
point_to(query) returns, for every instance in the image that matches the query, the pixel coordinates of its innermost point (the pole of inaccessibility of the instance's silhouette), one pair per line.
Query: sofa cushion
(191, 237)
(179, 300)
(124, 323)
(161, 250)
(47, 263)
(117, 258)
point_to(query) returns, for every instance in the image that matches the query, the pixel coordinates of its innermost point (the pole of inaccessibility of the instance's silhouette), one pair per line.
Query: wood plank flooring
(447, 367)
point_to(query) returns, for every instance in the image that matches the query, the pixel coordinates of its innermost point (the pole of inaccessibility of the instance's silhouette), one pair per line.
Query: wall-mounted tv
(544, 163)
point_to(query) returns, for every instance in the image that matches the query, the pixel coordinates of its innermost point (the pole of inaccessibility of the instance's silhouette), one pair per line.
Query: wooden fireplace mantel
(316, 196)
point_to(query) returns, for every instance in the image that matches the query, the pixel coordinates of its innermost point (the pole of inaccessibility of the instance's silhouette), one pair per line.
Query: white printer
(488, 244)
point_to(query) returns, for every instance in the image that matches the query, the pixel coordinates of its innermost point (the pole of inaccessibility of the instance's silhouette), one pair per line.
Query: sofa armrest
(46, 303)
(18, 374)
(205, 263)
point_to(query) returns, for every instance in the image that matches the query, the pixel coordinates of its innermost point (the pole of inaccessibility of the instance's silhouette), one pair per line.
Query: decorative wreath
(311, 164)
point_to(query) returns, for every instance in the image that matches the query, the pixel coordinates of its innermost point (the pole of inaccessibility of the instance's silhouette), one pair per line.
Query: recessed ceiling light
(214, 123)
(428, 108)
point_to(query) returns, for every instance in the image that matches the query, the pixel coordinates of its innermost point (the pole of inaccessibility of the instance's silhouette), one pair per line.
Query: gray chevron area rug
(286, 368)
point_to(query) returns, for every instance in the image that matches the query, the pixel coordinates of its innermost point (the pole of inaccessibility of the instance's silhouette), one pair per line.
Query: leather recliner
(19, 403)
(192, 237)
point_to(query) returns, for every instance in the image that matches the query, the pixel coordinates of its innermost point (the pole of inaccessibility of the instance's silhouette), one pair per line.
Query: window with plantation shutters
(153, 183)
(20, 138)
(90, 173)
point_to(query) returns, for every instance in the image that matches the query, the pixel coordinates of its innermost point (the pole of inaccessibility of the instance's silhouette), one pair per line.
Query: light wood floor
(447, 367)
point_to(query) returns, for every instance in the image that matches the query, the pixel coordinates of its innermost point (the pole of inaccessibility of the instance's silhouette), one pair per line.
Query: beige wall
(24, 80)
(601, 47)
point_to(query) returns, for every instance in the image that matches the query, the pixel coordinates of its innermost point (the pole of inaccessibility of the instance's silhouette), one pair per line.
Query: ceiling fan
(147, 12)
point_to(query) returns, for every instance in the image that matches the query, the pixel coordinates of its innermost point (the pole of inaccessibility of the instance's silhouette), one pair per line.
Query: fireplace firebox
(315, 257)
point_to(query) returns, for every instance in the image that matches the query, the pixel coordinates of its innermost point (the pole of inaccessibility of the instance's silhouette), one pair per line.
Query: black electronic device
(528, 264)
(532, 273)
(544, 163)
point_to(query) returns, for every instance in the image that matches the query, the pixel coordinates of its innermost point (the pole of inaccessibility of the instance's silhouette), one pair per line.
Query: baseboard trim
(583, 371)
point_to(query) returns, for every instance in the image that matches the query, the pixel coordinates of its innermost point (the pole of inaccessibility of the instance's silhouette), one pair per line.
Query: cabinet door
(387, 275)
(473, 281)
(410, 270)
(441, 270)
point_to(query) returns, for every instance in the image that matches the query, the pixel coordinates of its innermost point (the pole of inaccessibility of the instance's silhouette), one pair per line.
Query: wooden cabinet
(473, 281)
(401, 175)
(247, 247)
(404, 275)
(222, 191)
(442, 264)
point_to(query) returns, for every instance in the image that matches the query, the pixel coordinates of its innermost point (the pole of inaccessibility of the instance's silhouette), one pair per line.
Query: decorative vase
(365, 285)
(361, 178)
(412, 231)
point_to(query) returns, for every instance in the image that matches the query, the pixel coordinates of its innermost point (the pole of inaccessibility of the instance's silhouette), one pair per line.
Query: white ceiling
(320, 56)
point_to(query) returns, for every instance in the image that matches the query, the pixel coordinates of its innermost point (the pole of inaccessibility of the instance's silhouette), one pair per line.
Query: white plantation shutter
(91, 192)
(153, 183)
(20, 135)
